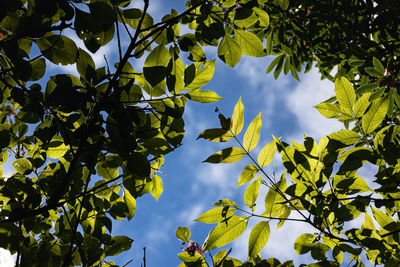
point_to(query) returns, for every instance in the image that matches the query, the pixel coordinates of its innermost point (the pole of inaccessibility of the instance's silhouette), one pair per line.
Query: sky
(191, 187)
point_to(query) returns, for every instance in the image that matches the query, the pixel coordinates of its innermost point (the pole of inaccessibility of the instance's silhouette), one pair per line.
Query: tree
(84, 148)
(360, 39)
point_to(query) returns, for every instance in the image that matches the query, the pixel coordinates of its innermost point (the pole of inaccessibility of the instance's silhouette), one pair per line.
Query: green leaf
(345, 95)
(263, 17)
(155, 66)
(250, 44)
(248, 173)
(229, 51)
(118, 245)
(56, 152)
(384, 220)
(251, 193)
(375, 115)
(237, 118)
(373, 72)
(183, 234)
(58, 49)
(130, 202)
(378, 66)
(38, 69)
(347, 137)
(157, 188)
(22, 166)
(304, 243)
(202, 76)
(258, 238)
(227, 155)
(328, 110)
(216, 135)
(226, 232)
(203, 96)
(225, 203)
(273, 199)
(252, 135)
(361, 105)
(267, 154)
(216, 215)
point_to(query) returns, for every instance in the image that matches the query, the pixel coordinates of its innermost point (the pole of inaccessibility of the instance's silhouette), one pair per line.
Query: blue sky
(191, 187)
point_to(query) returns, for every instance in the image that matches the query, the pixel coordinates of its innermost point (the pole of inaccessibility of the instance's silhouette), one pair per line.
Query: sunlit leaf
(251, 193)
(203, 96)
(252, 135)
(375, 115)
(183, 234)
(248, 173)
(130, 202)
(226, 232)
(345, 95)
(216, 215)
(229, 51)
(267, 154)
(227, 155)
(237, 118)
(250, 44)
(258, 238)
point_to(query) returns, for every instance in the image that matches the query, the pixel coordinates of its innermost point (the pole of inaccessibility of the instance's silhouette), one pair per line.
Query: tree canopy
(85, 147)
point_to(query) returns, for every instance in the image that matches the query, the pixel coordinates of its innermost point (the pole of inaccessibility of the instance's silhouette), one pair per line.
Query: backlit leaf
(361, 105)
(304, 243)
(250, 44)
(216, 215)
(345, 95)
(202, 76)
(346, 137)
(251, 193)
(203, 96)
(375, 115)
(183, 234)
(229, 51)
(22, 166)
(130, 202)
(157, 189)
(237, 118)
(267, 154)
(258, 238)
(252, 135)
(216, 135)
(248, 173)
(226, 232)
(227, 155)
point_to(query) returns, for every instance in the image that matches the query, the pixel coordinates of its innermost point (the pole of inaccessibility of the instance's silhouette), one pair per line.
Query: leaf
(361, 105)
(373, 72)
(227, 155)
(225, 203)
(216, 215)
(252, 135)
(130, 202)
(248, 173)
(345, 95)
(378, 66)
(237, 118)
(56, 152)
(304, 243)
(263, 17)
(375, 115)
(22, 166)
(202, 76)
(203, 96)
(155, 66)
(216, 135)
(226, 232)
(157, 189)
(346, 137)
(258, 238)
(328, 110)
(58, 49)
(183, 234)
(229, 51)
(266, 154)
(250, 44)
(273, 199)
(118, 245)
(251, 193)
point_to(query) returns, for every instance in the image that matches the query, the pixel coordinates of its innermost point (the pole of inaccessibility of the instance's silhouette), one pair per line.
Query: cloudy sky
(191, 187)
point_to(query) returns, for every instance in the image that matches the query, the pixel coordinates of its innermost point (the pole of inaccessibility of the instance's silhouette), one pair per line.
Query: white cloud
(6, 259)
(310, 92)
(192, 212)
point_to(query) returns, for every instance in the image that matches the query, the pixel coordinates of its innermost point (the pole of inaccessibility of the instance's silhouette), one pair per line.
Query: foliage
(352, 216)
(85, 148)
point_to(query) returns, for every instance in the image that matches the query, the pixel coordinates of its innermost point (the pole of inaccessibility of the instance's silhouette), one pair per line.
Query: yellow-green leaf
(250, 44)
(229, 51)
(227, 155)
(345, 95)
(216, 135)
(226, 232)
(157, 189)
(347, 137)
(130, 202)
(375, 115)
(248, 173)
(22, 166)
(267, 154)
(183, 234)
(237, 118)
(251, 193)
(263, 17)
(216, 215)
(258, 238)
(202, 76)
(203, 96)
(361, 105)
(252, 135)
